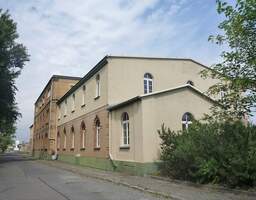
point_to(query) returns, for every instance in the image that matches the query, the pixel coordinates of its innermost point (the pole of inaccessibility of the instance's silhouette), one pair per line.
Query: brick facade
(75, 125)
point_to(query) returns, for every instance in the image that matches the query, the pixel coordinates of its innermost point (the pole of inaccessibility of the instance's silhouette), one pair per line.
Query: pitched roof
(104, 61)
(140, 97)
(56, 77)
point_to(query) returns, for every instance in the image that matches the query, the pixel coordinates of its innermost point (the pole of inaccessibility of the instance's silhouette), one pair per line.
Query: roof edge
(94, 70)
(134, 99)
(56, 77)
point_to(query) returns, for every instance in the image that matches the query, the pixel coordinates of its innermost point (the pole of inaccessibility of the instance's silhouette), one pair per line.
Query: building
(30, 143)
(110, 118)
(45, 112)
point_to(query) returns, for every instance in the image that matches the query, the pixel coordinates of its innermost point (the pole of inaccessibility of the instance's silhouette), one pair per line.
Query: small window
(83, 95)
(73, 102)
(148, 83)
(49, 93)
(187, 119)
(125, 130)
(190, 82)
(97, 134)
(97, 86)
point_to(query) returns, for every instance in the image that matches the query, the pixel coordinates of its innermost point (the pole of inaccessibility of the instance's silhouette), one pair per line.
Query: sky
(68, 37)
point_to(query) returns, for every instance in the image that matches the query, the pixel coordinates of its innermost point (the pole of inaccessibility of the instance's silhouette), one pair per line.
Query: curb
(139, 188)
(208, 186)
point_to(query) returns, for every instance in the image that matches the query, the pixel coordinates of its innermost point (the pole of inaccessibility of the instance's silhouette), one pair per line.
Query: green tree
(13, 56)
(237, 71)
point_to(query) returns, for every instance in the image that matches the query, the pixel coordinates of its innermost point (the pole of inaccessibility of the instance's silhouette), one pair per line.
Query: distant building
(110, 118)
(16, 146)
(30, 144)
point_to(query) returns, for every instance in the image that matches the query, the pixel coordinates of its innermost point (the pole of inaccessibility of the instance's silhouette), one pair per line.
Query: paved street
(24, 179)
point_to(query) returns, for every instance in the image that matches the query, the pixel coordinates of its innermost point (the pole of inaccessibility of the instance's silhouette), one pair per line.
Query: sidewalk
(176, 190)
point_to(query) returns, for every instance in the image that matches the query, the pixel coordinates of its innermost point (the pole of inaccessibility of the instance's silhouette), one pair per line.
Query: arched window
(97, 86)
(187, 119)
(72, 131)
(125, 130)
(190, 82)
(97, 132)
(58, 141)
(148, 83)
(64, 139)
(82, 137)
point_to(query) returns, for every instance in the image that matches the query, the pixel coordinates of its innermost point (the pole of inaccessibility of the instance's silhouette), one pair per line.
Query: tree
(237, 71)
(13, 56)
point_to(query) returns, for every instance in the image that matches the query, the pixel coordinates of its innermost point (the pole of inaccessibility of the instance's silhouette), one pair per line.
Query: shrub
(223, 153)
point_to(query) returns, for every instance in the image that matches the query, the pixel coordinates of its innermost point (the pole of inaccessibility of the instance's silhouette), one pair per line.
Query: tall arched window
(97, 132)
(187, 119)
(64, 139)
(125, 130)
(72, 131)
(82, 137)
(58, 141)
(148, 83)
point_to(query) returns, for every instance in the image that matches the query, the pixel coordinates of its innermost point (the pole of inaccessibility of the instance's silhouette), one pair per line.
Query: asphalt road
(25, 179)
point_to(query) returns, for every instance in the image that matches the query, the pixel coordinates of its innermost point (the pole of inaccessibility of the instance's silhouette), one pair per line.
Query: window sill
(72, 149)
(82, 149)
(83, 105)
(124, 147)
(96, 148)
(95, 98)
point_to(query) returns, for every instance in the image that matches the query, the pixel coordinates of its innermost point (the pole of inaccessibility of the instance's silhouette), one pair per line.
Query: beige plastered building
(109, 119)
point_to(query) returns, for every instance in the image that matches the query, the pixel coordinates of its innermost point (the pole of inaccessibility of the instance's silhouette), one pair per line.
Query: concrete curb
(207, 186)
(139, 188)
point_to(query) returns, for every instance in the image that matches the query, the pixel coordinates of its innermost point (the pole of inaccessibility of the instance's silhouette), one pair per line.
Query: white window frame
(186, 122)
(148, 81)
(83, 138)
(125, 131)
(83, 95)
(97, 145)
(97, 86)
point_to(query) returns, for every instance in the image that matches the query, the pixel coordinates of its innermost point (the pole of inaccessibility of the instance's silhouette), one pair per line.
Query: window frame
(97, 94)
(148, 82)
(125, 123)
(186, 123)
(97, 133)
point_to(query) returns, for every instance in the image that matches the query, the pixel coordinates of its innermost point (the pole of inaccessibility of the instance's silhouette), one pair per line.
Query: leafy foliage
(12, 59)
(237, 71)
(223, 153)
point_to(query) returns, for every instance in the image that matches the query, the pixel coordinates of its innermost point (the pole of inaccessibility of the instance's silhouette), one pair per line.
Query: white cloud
(69, 37)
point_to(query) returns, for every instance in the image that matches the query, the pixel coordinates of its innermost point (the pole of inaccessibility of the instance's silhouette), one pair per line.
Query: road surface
(25, 179)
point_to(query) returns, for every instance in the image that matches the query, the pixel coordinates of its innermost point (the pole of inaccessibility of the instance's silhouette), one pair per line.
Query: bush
(223, 153)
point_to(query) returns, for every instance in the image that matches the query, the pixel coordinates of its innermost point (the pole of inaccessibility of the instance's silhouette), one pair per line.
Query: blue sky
(69, 37)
